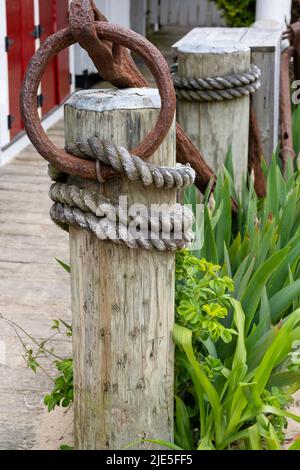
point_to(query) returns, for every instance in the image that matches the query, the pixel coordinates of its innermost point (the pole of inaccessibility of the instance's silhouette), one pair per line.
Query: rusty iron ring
(58, 42)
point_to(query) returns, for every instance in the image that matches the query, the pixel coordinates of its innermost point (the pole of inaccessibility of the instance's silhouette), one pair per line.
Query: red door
(20, 46)
(55, 83)
(47, 22)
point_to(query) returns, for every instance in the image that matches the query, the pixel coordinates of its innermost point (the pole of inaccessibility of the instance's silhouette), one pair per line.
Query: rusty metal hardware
(293, 52)
(127, 74)
(295, 42)
(109, 58)
(107, 46)
(286, 133)
(55, 44)
(255, 154)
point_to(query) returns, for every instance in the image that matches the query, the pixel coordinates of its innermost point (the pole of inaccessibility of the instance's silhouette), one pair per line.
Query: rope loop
(209, 89)
(118, 158)
(163, 229)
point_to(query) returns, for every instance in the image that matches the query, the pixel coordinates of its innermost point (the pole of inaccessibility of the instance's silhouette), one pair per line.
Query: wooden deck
(34, 290)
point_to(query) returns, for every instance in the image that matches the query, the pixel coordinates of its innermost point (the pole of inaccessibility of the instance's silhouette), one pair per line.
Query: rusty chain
(286, 136)
(293, 52)
(51, 47)
(107, 46)
(109, 58)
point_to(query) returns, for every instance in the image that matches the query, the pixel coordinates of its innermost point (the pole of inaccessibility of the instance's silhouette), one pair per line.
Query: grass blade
(256, 285)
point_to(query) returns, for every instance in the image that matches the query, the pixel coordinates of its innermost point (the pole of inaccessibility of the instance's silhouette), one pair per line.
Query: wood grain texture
(265, 44)
(122, 303)
(213, 127)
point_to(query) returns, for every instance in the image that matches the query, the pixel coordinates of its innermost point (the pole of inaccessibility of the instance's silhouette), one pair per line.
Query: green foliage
(237, 12)
(296, 127)
(261, 243)
(230, 403)
(295, 445)
(62, 392)
(202, 297)
(236, 393)
(39, 354)
(65, 266)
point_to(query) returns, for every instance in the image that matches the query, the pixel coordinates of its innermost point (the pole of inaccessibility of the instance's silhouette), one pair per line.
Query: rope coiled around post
(227, 87)
(162, 229)
(132, 166)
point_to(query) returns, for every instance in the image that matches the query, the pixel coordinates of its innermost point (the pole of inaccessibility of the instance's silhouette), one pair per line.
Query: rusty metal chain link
(115, 35)
(292, 53)
(107, 46)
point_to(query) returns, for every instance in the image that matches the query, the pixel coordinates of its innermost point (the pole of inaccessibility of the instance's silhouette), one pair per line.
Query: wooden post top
(262, 36)
(213, 48)
(112, 99)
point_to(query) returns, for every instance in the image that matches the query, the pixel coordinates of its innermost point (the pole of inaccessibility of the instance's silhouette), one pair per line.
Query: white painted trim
(53, 117)
(274, 10)
(72, 63)
(4, 92)
(20, 144)
(72, 67)
(36, 6)
(119, 12)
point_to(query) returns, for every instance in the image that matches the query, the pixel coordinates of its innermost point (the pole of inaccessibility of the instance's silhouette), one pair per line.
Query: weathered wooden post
(264, 41)
(215, 125)
(122, 299)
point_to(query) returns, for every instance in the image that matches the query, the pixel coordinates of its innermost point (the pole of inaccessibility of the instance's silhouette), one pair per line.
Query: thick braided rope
(120, 234)
(162, 229)
(180, 219)
(222, 88)
(132, 166)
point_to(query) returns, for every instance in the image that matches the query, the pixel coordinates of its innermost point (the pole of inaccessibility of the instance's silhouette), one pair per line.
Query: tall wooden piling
(215, 126)
(122, 299)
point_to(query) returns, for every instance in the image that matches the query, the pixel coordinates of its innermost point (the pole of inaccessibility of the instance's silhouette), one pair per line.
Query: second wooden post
(215, 126)
(122, 299)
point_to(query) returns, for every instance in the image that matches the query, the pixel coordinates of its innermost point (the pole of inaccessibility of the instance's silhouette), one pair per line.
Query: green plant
(202, 297)
(224, 398)
(229, 399)
(259, 247)
(238, 407)
(62, 392)
(217, 386)
(237, 12)
(39, 354)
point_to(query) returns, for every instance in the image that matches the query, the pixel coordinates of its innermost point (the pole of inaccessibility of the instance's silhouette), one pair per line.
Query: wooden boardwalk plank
(34, 289)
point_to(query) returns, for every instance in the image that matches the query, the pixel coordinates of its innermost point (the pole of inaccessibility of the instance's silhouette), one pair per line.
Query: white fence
(188, 13)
